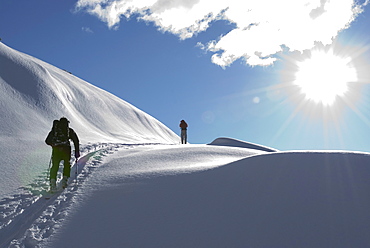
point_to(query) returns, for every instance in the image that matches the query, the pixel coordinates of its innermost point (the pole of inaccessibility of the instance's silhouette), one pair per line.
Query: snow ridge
(238, 143)
(33, 93)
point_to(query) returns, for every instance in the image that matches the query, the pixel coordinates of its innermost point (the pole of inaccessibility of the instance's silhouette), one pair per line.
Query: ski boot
(53, 185)
(64, 182)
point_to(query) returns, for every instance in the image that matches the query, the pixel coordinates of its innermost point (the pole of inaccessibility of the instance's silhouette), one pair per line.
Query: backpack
(60, 132)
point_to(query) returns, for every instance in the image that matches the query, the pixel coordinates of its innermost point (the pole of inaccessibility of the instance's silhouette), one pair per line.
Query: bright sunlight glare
(324, 76)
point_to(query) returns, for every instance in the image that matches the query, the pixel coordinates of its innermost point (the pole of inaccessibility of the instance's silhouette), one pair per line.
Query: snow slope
(284, 199)
(28, 220)
(34, 93)
(208, 196)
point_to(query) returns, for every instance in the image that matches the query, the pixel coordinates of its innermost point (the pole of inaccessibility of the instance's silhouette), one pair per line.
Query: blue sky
(230, 74)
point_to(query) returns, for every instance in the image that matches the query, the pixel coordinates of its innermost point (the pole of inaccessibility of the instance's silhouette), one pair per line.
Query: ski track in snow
(27, 218)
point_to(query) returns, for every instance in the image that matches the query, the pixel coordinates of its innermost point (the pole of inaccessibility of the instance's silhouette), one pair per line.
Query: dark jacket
(183, 125)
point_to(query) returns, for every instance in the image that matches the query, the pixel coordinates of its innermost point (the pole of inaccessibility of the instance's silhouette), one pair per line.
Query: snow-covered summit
(34, 93)
(238, 143)
(44, 92)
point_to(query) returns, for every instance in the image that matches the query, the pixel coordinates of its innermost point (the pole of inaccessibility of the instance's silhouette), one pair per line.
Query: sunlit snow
(136, 186)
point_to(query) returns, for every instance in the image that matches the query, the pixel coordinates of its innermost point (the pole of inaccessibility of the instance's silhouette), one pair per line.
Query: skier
(184, 135)
(58, 138)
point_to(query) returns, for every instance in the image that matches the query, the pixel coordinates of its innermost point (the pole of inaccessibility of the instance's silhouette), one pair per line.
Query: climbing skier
(58, 138)
(184, 135)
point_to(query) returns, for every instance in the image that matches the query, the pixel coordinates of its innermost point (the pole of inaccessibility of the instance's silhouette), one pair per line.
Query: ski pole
(47, 176)
(76, 172)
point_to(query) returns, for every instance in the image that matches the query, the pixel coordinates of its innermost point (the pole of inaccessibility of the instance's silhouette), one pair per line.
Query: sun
(324, 76)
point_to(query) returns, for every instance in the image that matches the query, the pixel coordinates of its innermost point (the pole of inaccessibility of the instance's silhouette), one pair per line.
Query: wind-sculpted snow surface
(34, 93)
(198, 196)
(282, 199)
(239, 143)
(30, 220)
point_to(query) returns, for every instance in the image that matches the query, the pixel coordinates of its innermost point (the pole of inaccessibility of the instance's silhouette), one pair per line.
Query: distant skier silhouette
(184, 135)
(58, 138)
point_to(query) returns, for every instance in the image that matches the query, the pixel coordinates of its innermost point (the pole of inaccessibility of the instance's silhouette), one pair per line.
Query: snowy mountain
(124, 192)
(34, 93)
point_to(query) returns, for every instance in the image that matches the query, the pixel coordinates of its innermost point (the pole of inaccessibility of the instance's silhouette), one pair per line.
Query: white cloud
(87, 30)
(262, 27)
